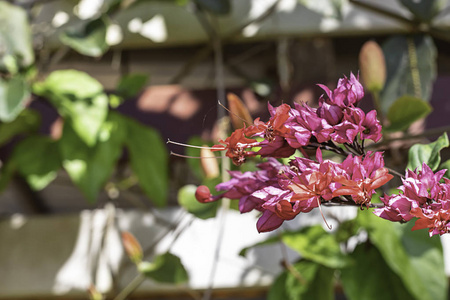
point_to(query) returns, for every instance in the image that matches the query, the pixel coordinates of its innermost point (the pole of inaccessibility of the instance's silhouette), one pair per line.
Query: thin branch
(384, 11)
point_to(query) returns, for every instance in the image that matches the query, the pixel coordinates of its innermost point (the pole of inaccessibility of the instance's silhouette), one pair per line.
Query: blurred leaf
(310, 281)
(240, 116)
(405, 111)
(427, 153)
(399, 81)
(130, 85)
(315, 244)
(325, 8)
(27, 121)
(87, 38)
(37, 160)
(446, 165)
(15, 36)
(90, 167)
(218, 7)
(14, 93)
(186, 198)
(415, 257)
(269, 241)
(424, 10)
(79, 98)
(148, 159)
(381, 281)
(165, 268)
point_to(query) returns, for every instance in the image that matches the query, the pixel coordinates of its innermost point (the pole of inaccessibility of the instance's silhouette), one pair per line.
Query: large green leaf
(27, 121)
(165, 268)
(79, 98)
(399, 81)
(415, 257)
(37, 160)
(14, 93)
(148, 159)
(424, 10)
(87, 38)
(405, 111)
(15, 36)
(306, 280)
(427, 153)
(186, 198)
(317, 245)
(90, 167)
(370, 278)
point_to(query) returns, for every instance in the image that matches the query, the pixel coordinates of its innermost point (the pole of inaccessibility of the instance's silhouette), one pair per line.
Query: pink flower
(347, 93)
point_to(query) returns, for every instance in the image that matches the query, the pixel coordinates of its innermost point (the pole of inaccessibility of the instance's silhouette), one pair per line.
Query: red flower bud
(203, 194)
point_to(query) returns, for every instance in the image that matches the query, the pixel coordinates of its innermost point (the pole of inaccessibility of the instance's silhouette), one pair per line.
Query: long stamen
(199, 157)
(190, 146)
(323, 217)
(234, 114)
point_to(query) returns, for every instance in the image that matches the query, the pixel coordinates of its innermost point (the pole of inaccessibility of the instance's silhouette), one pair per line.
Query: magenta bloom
(347, 93)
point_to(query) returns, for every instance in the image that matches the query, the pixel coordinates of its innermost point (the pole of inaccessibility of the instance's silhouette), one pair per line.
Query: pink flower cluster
(336, 120)
(281, 192)
(423, 196)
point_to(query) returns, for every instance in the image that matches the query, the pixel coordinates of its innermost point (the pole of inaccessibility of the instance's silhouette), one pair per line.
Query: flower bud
(132, 247)
(203, 194)
(372, 66)
(209, 164)
(239, 113)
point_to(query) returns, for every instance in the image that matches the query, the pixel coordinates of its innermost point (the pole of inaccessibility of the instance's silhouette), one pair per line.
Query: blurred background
(91, 90)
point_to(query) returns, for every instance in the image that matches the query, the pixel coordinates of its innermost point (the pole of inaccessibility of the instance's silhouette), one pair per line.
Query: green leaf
(165, 268)
(424, 10)
(37, 159)
(130, 85)
(306, 280)
(79, 98)
(27, 121)
(446, 165)
(14, 93)
(90, 167)
(427, 153)
(218, 7)
(415, 257)
(148, 159)
(317, 245)
(186, 198)
(87, 38)
(15, 36)
(405, 111)
(379, 281)
(399, 81)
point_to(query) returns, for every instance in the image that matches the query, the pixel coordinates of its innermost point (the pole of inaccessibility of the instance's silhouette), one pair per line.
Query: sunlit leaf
(15, 36)
(427, 153)
(79, 98)
(317, 245)
(405, 111)
(14, 93)
(165, 268)
(90, 167)
(87, 38)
